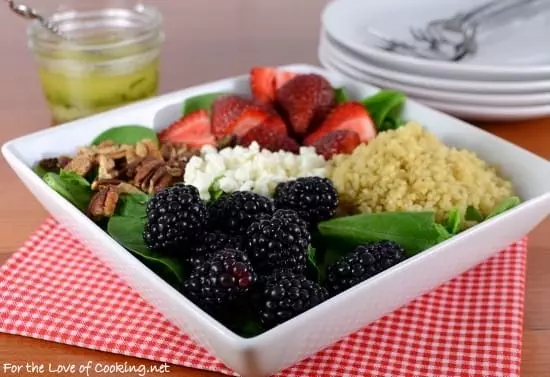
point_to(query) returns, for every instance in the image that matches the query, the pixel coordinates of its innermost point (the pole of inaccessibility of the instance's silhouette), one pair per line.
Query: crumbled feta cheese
(250, 168)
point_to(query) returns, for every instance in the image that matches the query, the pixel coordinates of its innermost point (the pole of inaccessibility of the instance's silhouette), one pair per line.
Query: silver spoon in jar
(33, 14)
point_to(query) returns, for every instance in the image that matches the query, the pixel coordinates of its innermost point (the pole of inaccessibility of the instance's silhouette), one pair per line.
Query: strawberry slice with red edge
(248, 119)
(236, 115)
(264, 81)
(282, 77)
(225, 110)
(274, 125)
(193, 129)
(346, 116)
(336, 142)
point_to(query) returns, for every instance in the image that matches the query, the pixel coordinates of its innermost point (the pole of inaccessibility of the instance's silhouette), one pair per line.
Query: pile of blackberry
(248, 252)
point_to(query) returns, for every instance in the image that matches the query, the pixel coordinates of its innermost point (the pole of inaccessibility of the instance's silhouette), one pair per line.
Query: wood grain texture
(207, 40)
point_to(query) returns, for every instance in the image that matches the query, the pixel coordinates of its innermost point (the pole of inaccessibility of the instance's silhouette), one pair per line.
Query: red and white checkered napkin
(55, 289)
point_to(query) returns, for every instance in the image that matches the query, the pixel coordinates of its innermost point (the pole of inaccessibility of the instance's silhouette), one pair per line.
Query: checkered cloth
(55, 289)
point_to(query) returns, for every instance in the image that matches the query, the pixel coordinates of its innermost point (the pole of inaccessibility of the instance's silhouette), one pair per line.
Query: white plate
(516, 52)
(391, 81)
(523, 89)
(489, 113)
(341, 315)
(446, 102)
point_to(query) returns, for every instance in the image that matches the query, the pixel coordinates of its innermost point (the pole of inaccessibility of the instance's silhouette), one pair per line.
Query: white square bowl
(323, 325)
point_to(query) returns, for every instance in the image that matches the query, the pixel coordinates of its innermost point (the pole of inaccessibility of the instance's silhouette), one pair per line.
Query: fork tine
(395, 45)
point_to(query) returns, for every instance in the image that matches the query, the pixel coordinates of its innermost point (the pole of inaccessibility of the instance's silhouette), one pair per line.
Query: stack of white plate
(507, 79)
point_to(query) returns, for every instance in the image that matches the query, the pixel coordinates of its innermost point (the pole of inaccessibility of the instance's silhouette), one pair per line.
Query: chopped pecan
(128, 171)
(103, 203)
(148, 148)
(113, 151)
(126, 188)
(152, 175)
(86, 152)
(121, 187)
(106, 168)
(100, 183)
(176, 156)
(49, 164)
(62, 161)
(81, 164)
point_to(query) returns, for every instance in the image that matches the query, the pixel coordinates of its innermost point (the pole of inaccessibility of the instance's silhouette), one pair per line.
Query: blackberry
(283, 295)
(315, 199)
(176, 216)
(234, 213)
(211, 243)
(278, 242)
(223, 278)
(366, 261)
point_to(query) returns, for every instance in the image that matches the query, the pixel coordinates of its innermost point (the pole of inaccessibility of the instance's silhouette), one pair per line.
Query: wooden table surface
(207, 40)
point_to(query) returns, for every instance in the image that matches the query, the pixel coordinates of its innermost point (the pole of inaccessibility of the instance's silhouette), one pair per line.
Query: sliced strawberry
(193, 130)
(262, 83)
(282, 77)
(225, 111)
(270, 138)
(336, 142)
(249, 118)
(276, 124)
(305, 100)
(273, 125)
(346, 116)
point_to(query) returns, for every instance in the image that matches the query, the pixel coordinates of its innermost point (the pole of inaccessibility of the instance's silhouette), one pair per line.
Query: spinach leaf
(340, 96)
(200, 102)
(39, 170)
(443, 233)
(128, 232)
(385, 109)
(242, 318)
(252, 327)
(73, 178)
(414, 231)
(313, 267)
(452, 223)
(133, 205)
(214, 190)
(131, 134)
(472, 214)
(504, 206)
(71, 186)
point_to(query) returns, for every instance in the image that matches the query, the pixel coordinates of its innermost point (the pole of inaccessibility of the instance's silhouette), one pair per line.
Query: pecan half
(103, 203)
(152, 175)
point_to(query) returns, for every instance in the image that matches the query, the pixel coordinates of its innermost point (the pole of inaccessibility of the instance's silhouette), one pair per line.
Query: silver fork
(454, 53)
(450, 30)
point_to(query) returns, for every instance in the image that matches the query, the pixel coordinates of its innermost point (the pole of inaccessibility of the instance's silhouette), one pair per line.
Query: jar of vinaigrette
(110, 59)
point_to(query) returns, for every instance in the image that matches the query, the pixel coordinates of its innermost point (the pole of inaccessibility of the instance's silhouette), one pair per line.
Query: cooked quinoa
(409, 169)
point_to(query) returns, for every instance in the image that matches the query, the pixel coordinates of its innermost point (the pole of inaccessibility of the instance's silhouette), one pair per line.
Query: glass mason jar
(111, 58)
